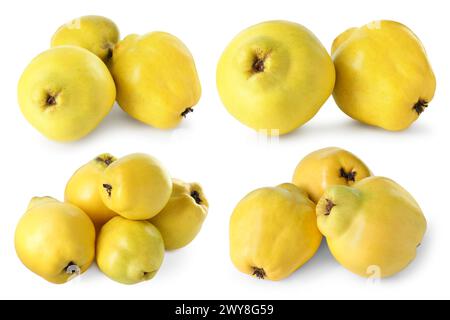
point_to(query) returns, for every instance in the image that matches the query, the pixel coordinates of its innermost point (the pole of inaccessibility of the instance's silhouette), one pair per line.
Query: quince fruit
(97, 34)
(128, 251)
(384, 78)
(55, 240)
(82, 190)
(372, 228)
(275, 76)
(156, 78)
(137, 187)
(182, 218)
(65, 92)
(273, 232)
(327, 167)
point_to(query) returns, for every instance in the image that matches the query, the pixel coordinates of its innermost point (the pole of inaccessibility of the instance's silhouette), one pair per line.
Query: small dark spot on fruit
(349, 176)
(109, 54)
(259, 273)
(51, 100)
(258, 65)
(196, 196)
(186, 112)
(108, 189)
(329, 206)
(106, 160)
(420, 106)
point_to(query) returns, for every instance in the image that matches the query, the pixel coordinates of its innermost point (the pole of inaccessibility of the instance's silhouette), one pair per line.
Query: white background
(226, 157)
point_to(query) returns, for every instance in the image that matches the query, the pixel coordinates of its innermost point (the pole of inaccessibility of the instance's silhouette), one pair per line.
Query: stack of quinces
(124, 212)
(66, 91)
(275, 76)
(372, 225)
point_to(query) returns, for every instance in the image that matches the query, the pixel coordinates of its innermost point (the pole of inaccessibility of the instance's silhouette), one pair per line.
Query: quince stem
(259, 273)
(186, 112)
(330, 205)
(420, 106)
(196, 196)
(349, 176)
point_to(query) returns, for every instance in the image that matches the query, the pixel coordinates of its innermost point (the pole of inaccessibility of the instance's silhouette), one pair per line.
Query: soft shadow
(175, 261)
(323, 262)
(116, 120)
(355, 127)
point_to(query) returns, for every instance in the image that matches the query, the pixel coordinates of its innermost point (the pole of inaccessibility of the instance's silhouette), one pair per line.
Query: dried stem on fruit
(259, 273)
(186, 112)
(420, 106)
(349, 176)
(329, 206)
(108, 189)
(196, 196)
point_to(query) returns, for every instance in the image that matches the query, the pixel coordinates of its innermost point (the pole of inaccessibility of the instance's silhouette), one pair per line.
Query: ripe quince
(128, 251)
(275, 76)
(65, 92)
(137, 186)
(55, 240)
(182, 218)
(97, 34)
(384, 77)
(82, 190)
(156, 78)
(273, 232)
(372, 228)
(327, 167)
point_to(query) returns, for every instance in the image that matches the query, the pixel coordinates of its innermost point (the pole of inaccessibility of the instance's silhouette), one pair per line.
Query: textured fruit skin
(97, 34)
(137, 187)
(374, 226)
(128, 251)
(81, 88)
(182, 218)
(273, 232)
(294, 81)
(326, 167)
(383, 73)
(51, 235)
(156, 78)
(82, 190)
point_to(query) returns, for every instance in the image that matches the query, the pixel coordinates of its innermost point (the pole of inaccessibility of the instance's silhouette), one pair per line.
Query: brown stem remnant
(186, 112)
(259, 273)
(109, 54)
(258, 65)
(329, 206)
(106, 160)
(349, 176)
(420, 106)
(196, 196)
(108, 189)
(51, 100)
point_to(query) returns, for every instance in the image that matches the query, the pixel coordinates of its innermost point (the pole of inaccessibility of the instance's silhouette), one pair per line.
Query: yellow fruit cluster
(124, 212)
(372, 225)
(275, 76)
(65, 92)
